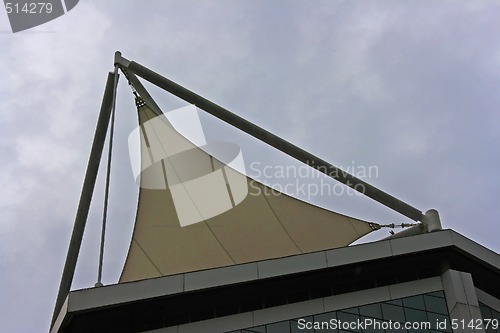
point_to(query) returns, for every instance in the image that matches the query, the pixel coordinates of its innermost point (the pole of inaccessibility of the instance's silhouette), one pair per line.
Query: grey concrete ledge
(170, 285)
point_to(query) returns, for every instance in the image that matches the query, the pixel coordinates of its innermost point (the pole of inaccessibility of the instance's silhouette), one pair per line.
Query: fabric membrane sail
(195, 211)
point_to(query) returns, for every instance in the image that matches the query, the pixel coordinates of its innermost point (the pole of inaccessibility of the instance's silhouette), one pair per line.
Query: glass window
(495, 314)
(371, 310)
(347, 318)
(324, 328)
(325, 318)
(420, 308)
(353, 310)
(435, 304)
(485, 311)
(393, 312)
(489, 329)
(372, 330)
(281, 327)
(411, 330)
(434, 318)
(294, 325)
(489, 313)
(413, 315)
(401, 330)
(415, 302)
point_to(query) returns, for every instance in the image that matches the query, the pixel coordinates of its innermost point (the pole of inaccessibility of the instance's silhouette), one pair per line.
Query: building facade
(433, 282)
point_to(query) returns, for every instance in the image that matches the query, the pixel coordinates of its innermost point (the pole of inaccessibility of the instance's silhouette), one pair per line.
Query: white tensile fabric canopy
(195, 212)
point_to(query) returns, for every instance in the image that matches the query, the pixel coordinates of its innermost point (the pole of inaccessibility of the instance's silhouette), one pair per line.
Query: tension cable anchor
(398, 225)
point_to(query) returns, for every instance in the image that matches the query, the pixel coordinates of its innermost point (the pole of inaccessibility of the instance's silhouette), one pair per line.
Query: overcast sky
(411, 87)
